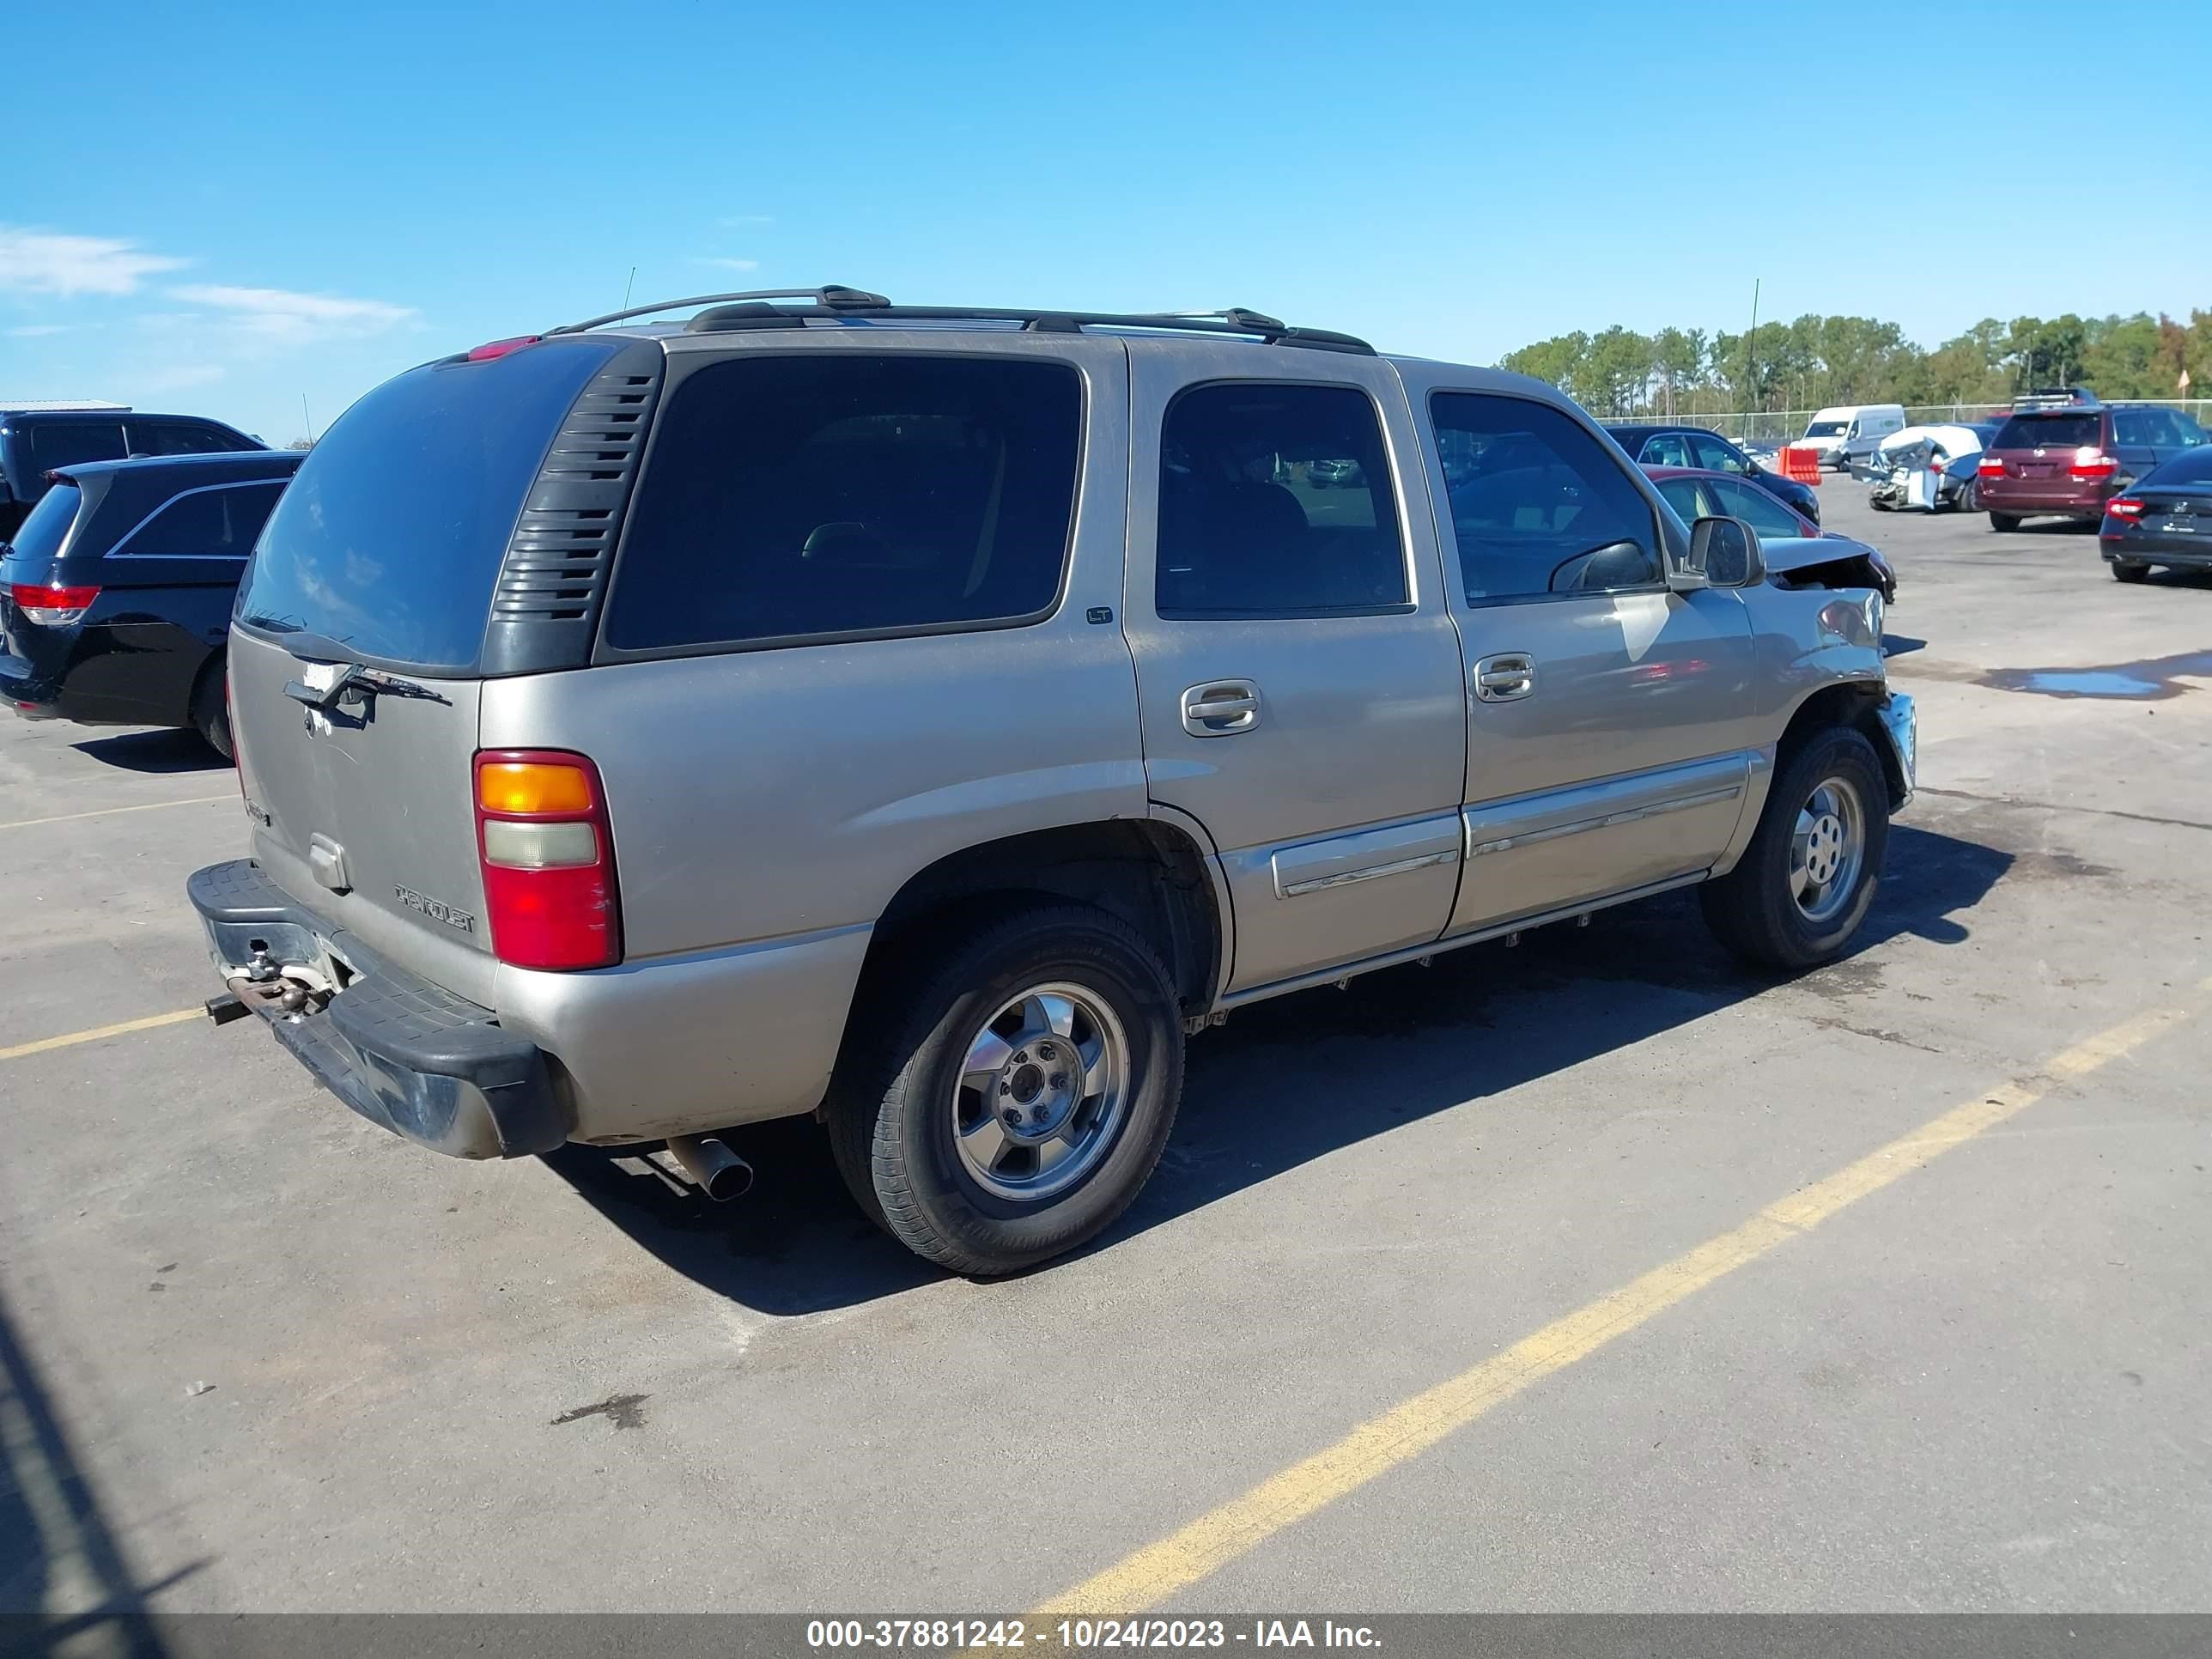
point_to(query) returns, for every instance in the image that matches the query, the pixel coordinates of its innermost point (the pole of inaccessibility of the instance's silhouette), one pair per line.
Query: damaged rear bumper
(406, 1053)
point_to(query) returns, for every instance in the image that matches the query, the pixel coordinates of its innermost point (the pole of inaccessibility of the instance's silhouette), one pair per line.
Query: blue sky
(227, 216)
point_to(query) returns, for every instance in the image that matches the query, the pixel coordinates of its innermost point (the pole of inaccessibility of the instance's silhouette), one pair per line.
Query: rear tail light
(2125, 506)
(1989, 467)
(548, 859)
(51, 604)
(2090, 462)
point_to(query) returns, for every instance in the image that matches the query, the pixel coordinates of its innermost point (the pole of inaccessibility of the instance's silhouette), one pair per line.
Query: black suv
(1656, 443)
(33, 442)
(116, 591)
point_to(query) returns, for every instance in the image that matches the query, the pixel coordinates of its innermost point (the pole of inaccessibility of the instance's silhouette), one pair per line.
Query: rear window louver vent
(554, 575)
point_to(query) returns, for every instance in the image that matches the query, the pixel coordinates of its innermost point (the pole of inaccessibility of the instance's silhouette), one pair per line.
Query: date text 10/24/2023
(1081, 1635)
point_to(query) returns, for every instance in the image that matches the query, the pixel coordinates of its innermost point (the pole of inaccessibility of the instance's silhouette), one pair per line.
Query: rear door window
(180, 438)
(1538, 505)
(218, 522)
(68, 443)
(2059, 430)
(1717, 454)
(835, 493)
(390, 539)
(1276, 500)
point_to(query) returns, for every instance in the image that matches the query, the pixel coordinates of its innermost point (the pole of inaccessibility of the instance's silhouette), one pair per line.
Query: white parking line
(101, 812)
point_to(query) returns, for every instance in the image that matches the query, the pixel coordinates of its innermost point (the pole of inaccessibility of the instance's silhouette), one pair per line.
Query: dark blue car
(116, 593)
(1655, 443)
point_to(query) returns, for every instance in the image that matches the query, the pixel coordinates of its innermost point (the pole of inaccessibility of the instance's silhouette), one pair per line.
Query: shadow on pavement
(156, 751)
(63, 1583)
(1289, 1080)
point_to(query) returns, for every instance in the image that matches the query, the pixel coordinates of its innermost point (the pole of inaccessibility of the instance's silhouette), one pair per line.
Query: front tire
(2004, 523)
(1020, 1091)
(1809, 876)
(2130, 570)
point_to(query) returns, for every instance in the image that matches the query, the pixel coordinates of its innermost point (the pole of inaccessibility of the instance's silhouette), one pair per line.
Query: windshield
(1827, 428)
(41, 536)
(390, 539)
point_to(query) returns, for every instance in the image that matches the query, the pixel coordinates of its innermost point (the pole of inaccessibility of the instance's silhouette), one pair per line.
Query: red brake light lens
(2125, 506)
(485, 353)
(547, 853)
(2091, 462)
(51, 605)
(1989, 467)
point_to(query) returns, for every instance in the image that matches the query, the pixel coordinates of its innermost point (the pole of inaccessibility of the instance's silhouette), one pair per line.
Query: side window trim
(1455, 561)
(123, 549)
(1408, 606)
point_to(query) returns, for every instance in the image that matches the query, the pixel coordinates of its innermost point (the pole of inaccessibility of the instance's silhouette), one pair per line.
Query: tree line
(1818, 360)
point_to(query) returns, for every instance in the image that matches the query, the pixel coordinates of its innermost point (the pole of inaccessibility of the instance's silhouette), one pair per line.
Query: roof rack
(759, 309)
(2064, 397)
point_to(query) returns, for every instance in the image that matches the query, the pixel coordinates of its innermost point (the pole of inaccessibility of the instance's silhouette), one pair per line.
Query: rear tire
(2004, 523)
(1970, 497)
(2130, 570)
(210, 710)
(1069, 1022)
(1826, 814)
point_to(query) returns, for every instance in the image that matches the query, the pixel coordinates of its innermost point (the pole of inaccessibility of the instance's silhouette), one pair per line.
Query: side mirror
(1723, 553)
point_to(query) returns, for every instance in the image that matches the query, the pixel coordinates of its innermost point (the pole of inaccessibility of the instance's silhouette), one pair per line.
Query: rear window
(41, 536)
(790, 497)
(2192, 467)
(389, 540)
(2056, 431)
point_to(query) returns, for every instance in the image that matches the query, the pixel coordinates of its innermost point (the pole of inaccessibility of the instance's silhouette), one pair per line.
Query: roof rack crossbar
(836, 301)
(831, 297)
(1232, 325)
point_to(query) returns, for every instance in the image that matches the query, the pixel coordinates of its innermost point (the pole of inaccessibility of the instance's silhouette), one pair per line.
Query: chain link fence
(1777, 427)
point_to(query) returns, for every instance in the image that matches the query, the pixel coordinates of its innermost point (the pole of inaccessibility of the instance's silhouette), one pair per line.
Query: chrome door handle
(1505, 677)
(1221, 708)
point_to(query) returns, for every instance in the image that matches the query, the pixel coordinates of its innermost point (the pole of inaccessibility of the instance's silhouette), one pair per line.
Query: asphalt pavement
(1593, 1273)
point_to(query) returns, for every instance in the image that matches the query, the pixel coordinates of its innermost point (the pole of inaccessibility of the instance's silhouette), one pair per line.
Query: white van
(1851, 429)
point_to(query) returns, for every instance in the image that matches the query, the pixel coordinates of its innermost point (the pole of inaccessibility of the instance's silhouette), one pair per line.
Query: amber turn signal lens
(533, 787)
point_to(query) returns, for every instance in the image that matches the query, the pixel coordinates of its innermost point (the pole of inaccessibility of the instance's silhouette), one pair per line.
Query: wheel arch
(1853, 703)
(1154, 875)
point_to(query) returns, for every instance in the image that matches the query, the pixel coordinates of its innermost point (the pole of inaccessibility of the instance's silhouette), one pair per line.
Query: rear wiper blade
(354, 682)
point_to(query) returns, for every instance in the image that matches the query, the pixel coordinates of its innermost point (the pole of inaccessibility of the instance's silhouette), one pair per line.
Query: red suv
(2065, 454)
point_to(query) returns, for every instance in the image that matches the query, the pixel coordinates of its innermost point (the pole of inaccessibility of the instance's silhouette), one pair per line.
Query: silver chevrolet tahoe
(927, 717)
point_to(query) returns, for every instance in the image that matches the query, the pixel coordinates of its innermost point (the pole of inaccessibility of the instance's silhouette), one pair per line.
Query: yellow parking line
(104, 811)
(122, 1027)
(1405, 1431)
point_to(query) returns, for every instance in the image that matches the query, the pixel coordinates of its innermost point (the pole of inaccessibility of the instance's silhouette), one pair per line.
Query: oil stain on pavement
(2153, 679)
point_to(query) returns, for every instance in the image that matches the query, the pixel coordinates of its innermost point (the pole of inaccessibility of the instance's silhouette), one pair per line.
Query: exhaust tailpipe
(713, 1167)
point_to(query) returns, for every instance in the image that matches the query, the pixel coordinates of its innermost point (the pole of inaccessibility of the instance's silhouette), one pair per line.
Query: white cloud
(37, 330)
(278, 315)
(34, 261)
(730, 264)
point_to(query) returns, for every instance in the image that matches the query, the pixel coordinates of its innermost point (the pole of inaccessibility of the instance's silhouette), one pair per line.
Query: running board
(1433, 947)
